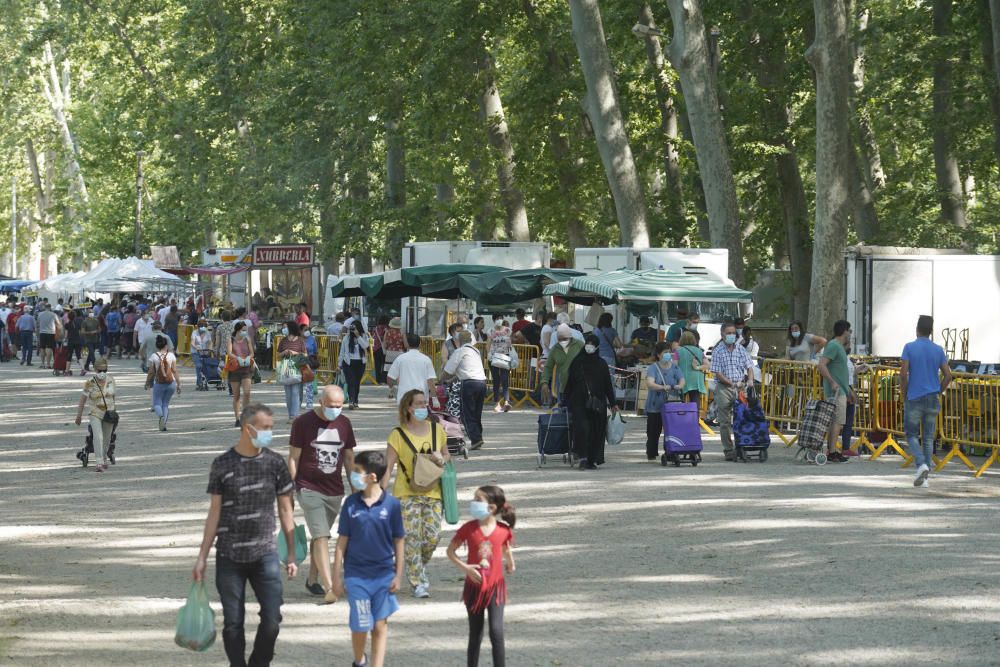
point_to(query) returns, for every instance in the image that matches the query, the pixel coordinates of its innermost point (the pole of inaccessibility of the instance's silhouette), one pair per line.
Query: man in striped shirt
(732, 367)
(243, 485)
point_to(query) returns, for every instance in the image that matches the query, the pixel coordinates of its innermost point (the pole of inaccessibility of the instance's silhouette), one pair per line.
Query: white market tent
(128, 275)
(57, 287)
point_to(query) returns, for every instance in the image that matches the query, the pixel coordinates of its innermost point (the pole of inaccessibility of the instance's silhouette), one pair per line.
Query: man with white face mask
(733, 369)
(321, 446)
(243, 486)
(565, 350)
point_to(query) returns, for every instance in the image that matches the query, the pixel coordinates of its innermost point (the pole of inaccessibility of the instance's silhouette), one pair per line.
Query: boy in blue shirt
(368, 564)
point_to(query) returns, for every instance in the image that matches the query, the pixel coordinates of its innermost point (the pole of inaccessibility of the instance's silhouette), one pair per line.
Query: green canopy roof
(500, 287)
(401, 283)
(654, 285)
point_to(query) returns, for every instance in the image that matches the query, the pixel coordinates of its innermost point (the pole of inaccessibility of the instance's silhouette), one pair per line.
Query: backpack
(164, 373)
(426, 474)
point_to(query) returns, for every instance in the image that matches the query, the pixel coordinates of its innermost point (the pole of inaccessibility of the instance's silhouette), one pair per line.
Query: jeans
(848, 432)
(353, 373)
(501, 384)
(199, 374)
(162, 393)
(91, 355)
(473, 395)
(293, 396)
(231, 579)
(27, 346)
(921, 413)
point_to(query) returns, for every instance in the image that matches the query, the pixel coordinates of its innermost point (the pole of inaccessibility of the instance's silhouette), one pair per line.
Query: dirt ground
(780, 563)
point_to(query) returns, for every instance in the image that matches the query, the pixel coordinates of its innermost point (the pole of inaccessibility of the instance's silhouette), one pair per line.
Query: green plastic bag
(301, 545)
(449, 493)
(196, 620)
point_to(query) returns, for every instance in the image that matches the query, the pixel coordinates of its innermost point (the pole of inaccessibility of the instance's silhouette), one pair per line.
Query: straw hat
(395, 323)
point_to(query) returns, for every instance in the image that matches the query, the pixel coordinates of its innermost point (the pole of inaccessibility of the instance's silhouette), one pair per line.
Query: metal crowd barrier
(786, 389)
(970, 417)
(183, 351)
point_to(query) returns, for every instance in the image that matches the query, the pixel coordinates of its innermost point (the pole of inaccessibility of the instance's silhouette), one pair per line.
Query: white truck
(712, 263)
(887, 288)
(429, 315)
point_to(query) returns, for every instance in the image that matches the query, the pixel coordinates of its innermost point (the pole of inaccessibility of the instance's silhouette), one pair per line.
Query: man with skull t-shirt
(322, 444)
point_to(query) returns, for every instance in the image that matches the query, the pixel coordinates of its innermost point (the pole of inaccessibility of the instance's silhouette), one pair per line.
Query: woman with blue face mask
(294, 348)
(664, 382)
(422, 507)
(802, 346)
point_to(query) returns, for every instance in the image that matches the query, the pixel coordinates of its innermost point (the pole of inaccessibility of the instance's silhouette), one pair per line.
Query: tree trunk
(689, 53)
(604, 112)
(831, 59)
(865, 217)
(989, 72)
(668, 118)
(483, 227)
(444, 196)
(697, 189)
(995, 25)
(770, 61)
(395, 182)
(949, 182)
(867, 158)
(491, 107)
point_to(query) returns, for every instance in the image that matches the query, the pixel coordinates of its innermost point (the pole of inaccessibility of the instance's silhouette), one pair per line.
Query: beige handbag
(427, 469)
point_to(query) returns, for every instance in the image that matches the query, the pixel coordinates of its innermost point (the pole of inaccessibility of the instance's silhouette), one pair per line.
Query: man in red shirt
(520, 323)
(322, 443)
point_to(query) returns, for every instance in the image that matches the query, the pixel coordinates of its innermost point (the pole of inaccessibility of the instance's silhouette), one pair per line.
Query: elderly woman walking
(422, 508)
(99, 393)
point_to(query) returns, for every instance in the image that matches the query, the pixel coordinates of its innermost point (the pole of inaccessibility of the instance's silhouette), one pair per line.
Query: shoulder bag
(427, 472)
(110, 416)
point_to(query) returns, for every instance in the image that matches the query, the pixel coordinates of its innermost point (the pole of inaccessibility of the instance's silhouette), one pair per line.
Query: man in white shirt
(466, 363)
(143, 328)
(413, 370)
(336, 328)
(165, 310)
(49, 326)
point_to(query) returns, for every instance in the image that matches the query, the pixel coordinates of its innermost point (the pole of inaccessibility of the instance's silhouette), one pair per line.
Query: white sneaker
(921, 477)
(925, 484)
(421, 591)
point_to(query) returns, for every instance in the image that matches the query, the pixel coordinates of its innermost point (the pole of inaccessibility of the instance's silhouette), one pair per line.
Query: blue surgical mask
(730, 339)
(331, 413)
(667, 358)
(284, 331)
(479, 509)
(739, 332)
(307, 333)
(796, 334)
(202, 329)
(420, 414)
(358, 480)
(262, 439)
(244, 334)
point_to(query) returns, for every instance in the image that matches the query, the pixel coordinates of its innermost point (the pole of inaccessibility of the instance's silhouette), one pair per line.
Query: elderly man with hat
(562, 354)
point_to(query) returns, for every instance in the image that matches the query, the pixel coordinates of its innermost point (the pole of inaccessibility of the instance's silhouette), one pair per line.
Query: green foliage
(272, 118)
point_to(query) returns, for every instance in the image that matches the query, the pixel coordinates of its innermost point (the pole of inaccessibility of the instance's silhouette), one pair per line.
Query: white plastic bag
(616, 429)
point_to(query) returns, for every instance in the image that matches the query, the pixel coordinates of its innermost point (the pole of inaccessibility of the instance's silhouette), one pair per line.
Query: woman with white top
(802, 346)
(502, 358)
(353, 354)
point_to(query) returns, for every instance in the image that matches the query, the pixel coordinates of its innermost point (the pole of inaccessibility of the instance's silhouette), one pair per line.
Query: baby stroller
(457, 443)
(812, 433)
(88, 448)
(210, 371)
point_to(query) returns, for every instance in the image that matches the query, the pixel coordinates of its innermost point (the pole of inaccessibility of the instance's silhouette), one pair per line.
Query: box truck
(887, 288)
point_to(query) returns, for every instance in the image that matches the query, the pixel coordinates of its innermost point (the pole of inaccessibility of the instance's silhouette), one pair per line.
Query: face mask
(244, 334)
(739, 332)
(284, 331)
(331, 413)
(693, 326)
(667, 358)
(730, 339)
(796, 334)
(564, 344)
(590, 348)
(479, 509)
(262, 439)
(358, 480)
(102, 375)
(203, 329)
(420, 414)
(307, 333)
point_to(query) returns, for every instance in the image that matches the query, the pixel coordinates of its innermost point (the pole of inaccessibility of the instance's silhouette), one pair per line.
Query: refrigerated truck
(887, 288)
(711, 263)
(427, 316)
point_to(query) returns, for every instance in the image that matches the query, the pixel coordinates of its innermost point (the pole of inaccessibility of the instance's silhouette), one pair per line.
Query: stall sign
(283, 255)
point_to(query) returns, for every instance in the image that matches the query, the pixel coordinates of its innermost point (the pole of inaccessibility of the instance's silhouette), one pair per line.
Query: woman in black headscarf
(589, 394)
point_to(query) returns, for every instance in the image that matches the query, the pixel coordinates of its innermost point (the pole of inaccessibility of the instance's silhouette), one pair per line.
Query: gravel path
(779, 563)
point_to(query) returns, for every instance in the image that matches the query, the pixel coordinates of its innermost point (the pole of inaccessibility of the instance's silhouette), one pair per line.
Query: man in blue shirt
(921, 387)
(368, 563)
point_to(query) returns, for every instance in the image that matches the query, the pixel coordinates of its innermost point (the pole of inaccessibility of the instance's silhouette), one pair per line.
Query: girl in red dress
(488, 543)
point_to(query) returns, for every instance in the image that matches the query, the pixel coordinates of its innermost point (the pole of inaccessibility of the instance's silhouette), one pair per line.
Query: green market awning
(650, 286)
(499, 288)
(402, 283)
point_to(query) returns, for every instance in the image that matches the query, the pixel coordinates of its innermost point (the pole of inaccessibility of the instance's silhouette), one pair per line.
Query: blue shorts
(370, 601)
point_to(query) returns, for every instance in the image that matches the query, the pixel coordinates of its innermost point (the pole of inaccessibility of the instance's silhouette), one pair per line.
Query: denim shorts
(370, 601)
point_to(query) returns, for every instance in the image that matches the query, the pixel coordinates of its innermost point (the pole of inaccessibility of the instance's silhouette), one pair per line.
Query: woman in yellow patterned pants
(422, 508)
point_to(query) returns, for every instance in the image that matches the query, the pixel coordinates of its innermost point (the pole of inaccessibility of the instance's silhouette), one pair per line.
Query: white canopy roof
(59, 286)
(126, 275)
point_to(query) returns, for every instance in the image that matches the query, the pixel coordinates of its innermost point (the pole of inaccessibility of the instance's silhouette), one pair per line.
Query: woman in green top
(691, 360)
